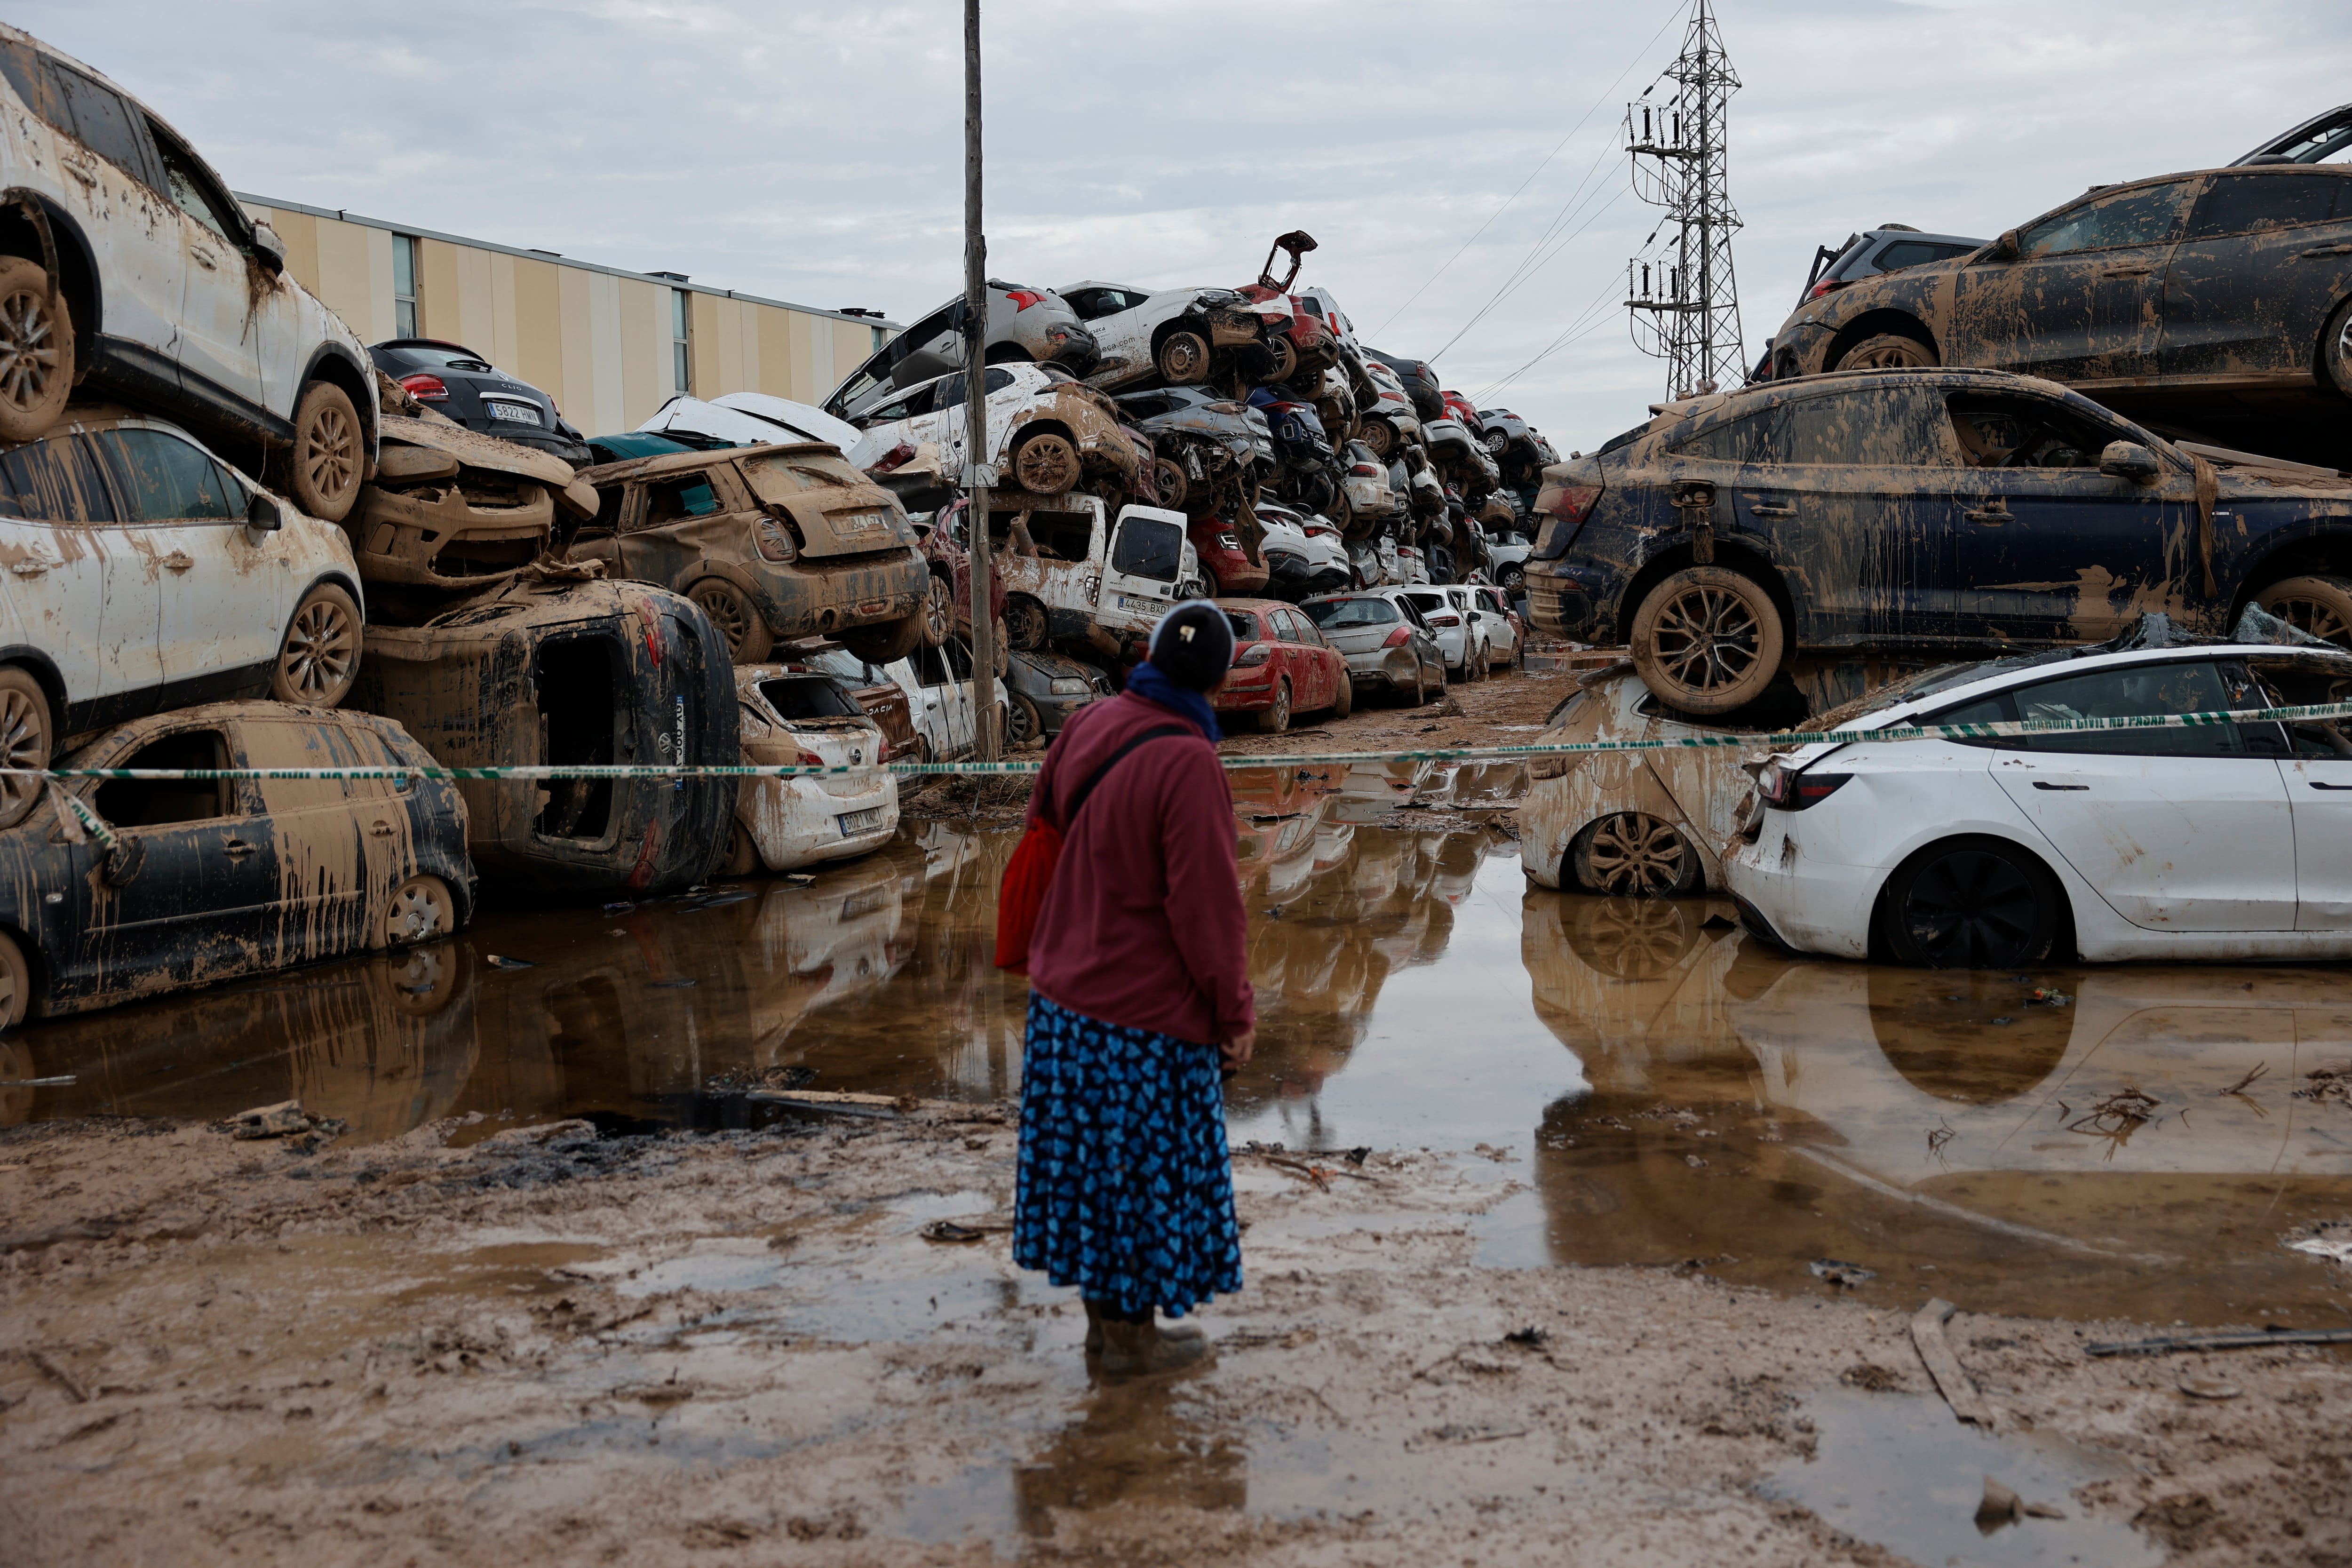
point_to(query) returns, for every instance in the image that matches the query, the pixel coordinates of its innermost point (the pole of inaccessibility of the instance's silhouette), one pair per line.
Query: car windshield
(848, 667)
(808, 697)
(1331, 613)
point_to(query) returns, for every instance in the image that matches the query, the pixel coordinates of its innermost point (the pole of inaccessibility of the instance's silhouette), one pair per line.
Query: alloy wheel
(1633, 854)
(29, 349)
(24, 743)
(321, 647)
(331, 452)
(2322, 620)
(1972, 909)
(1707, 638)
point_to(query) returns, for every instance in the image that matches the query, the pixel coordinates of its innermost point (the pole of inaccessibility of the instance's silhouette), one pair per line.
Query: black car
(1047, 688)
(1420, 380)
(453, 380)
(1926, 508)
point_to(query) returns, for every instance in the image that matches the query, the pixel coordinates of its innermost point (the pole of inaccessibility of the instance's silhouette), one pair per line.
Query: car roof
(426, 343)
(684, 462)
(1917, 234)
(2029, 674)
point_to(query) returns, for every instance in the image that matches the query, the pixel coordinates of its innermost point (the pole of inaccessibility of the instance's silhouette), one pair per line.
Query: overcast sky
(814, 152)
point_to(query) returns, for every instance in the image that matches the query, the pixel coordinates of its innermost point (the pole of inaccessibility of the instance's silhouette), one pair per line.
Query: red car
(1282, 666)
(1230, 569)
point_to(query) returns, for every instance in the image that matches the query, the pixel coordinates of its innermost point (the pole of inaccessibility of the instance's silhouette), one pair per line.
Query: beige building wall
(595, 338)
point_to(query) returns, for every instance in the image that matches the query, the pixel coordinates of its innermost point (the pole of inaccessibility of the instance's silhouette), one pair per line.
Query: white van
(144, 574)
(126, 267)
(1072, 574)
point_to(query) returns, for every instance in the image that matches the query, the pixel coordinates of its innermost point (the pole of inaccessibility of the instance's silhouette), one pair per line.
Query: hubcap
(330, 453)
(415, 914)
(22, 745)
(29, 349)
(1708, 638)
(1635, 854)
(1972, 910)
(319, 649)
(724, 613)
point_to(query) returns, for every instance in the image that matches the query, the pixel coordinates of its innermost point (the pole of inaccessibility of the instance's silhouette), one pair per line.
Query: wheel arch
(1887, 319)
(2317, 551)
(332, 363)
(78, 275)
(2064, 946)
(38, 665)
(1728, 553)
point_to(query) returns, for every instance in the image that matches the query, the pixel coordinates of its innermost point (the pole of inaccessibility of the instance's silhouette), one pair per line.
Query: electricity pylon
(1683, 298)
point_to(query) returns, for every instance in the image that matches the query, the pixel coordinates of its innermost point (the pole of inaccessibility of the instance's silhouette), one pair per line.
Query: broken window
(810, 696)
(2308, 683)
(1147, 547)
(2250, 204)
(2001, 431)
(162, 479)
(930, 669)
(159, 803)
(2147, 214)
(1335, 613)
(674, 501)
(573, 688)
(1244, 625)
(55, 480)
(1058, 535)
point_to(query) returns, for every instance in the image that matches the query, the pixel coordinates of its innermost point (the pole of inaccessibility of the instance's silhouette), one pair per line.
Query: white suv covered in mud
(125, 262)
(144, 574)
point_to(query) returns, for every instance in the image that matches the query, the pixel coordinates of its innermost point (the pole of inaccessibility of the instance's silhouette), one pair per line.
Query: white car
(1454, 625)
(145, 574)
(752, 419)
(2199, 842)
(1045, 431)
(1507, 560)
(1176, 334)
(1304, 552)
(791, 718)
(938, 684)
(166, 295)
(1493, 615)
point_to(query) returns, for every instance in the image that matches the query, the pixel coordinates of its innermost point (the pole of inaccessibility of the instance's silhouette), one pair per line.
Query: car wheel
(938, 611)
(1274, 721)
(37, 350)
(1707, 639)
(1495, 442)
(1633, 855)
(749, 640)
(1887, 351)
(330, 453)
(1023, 723)
(1633, 938)
(2336, 348)
(1046, 463)
(743, 853)
(26, 736)
(1512, 578)
(1024, 623)
(1344, 703)
(1420, 686)
(1285, 357)
(1972, 903)
(321, 655)
(419, 910)
(1182, 358)
(1380, 436)
(2318, 605)
(15, 982)
(885, 642)
(1168, 481)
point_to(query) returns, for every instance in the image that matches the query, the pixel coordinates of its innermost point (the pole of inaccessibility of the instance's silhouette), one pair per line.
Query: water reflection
(1146, 1445)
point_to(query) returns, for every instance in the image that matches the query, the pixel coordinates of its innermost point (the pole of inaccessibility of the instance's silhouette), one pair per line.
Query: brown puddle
(1668, 1091)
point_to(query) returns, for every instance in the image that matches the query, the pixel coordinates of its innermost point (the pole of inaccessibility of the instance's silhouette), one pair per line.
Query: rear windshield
(1330, 613)
(1245, 626)
(808, 697)
(439, 358)
(787, 473)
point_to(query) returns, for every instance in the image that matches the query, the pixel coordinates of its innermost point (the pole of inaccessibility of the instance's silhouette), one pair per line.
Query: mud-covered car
(452, 510)
(1046, 432)
(2224, 281)
(1384, 641)
(1025, 323)
(1915, 509)
(143, 574)
(210, 878)
(556, 667)
(1046, 688)
(128, 269)
(799, 719)
(1182, 336)
(773, 542)
(464, 386)
(1874, 251)
(1281, 666)
(1205, 444)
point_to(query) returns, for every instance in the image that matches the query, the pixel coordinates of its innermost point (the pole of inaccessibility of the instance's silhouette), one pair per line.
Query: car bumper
(1396, 667)
(1248, 689)
(1055, 711)
(1801, 900)
(1560, 604)
(797, 822)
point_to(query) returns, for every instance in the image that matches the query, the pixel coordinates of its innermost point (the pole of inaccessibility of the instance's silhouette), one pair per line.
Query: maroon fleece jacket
(1143, 923)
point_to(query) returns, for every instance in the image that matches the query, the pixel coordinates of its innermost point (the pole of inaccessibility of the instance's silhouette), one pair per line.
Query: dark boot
(1139, 1350)
(1178, 1328)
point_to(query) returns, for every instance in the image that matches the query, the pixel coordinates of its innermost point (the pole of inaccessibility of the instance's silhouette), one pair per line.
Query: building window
(404, 286)
(878, 339)
(680, 342)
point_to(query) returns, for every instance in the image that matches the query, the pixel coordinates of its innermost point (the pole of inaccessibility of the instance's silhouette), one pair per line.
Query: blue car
(1921, 510)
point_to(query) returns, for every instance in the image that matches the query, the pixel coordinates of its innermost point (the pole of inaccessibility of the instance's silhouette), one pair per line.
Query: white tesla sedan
(2210, 841)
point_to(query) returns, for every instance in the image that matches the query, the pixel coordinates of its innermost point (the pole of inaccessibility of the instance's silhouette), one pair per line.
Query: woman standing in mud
(1139, 994)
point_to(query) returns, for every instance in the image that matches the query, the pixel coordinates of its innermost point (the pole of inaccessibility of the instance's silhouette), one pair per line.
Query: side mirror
(122, 862)
(268, 248)
(2130, 460)
(2005, 249)
(263, 513)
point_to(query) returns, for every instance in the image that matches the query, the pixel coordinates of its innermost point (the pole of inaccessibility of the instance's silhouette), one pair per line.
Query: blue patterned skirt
(1126, 1186)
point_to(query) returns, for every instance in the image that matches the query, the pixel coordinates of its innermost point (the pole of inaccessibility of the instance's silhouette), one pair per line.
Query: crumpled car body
(1046, 432)
(775, 544)
(1026, 324)
(749, 419)
(1056, 686)
(1184, 336)
(1225, 554)
(794, 717)
(216, 878)
(555, 667)
(453, 509)
(1205, 444)
(1304, 553)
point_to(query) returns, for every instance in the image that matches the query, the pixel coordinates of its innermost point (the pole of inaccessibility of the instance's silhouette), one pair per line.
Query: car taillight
(1795, 789)
(1257, 653)
(769, 537)
(811, 759)
(897, 457)
(1567, 502)
(426, 388)
(1366, 471)
(1398, 637)
(1024, 297)
(1318, 534)
(1826, 286)
(1442, 620)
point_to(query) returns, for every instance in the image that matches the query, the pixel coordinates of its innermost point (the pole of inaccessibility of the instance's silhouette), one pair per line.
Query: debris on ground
(2327, 1085)
(1944, 1366)
(286, 1120)
(1849, 1275)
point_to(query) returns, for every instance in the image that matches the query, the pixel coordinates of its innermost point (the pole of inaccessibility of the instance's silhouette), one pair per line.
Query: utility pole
(978, 476)
(1684, 299)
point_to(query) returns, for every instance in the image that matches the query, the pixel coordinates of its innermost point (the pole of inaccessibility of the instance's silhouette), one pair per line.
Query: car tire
(1380, 436)
(27, 737)
(1633, 855)
(1511, 579)
(1344, 703)
(2336, 349)
(1274, 719)
(749, 640)
(37, 350)
(885, 642)
(743, 853)
(1974, 903)
(320, 657)
(1497, 443)
(1707, 639)
(1046, 463)
(328, 458)
(939, 614)
(1023, 723)
(2319, 605)
(1182, 358)
(1025, 623)
(419, 910)
(1888, 350)
(1168, 481)
(1283, 357)
(15, 982)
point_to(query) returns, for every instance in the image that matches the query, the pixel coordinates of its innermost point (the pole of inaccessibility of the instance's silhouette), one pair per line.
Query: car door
(2182, 829)
(681, 519)
(220, 305)
(1852, 487)
(224, 589)
(1146, 559)
(83, 585)
(2081, 301)
(323, 832)
(952, 417)
(2266, 255)
(1122, 329)
(2317, 770)
(2042, 545)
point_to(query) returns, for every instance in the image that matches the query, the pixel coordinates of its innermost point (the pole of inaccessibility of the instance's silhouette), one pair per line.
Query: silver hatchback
(1383, 639)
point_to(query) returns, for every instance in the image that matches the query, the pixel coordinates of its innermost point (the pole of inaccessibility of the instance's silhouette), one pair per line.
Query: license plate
(858, 523)
(514, 411)
(1128, 601)
(854, 823)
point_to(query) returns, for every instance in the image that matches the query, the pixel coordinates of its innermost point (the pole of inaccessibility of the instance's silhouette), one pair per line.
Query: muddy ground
(689, 1347)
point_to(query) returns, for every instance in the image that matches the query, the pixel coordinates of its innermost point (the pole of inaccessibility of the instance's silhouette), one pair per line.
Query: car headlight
(1068, 686)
